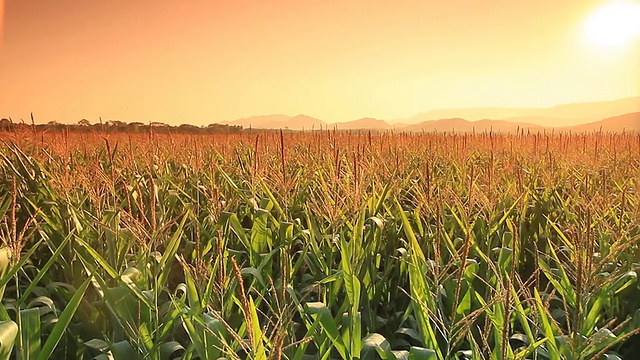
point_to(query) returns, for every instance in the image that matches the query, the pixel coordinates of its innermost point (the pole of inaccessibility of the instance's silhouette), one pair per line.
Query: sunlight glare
(613, 24)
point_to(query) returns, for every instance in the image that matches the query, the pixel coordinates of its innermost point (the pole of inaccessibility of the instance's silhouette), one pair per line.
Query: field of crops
(319, 245)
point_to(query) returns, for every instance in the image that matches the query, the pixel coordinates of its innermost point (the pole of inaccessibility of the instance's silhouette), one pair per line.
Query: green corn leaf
(231, 220)
(164, 265)
(561, 283)
(122, 350)
(195, 336)
(8, 334)
(259, 349)
(523, 354)
(624, 281)
(321, 314)
(135, 290)
(374, 345)
(547, 328)
(7, 273)
(279, 208)
(30, 333)
(193, 297)
(521, 315)
(63, 322)
(43, 270)
(97, 258)
(422, 300)
(588, 326)
(418, 353)
(260, 236)
(171, 350)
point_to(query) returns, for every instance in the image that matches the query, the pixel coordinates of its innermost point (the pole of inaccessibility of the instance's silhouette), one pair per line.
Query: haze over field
(566, 116)
(202, 62)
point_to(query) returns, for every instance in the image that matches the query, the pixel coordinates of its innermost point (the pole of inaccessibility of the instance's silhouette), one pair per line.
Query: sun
(613, 24)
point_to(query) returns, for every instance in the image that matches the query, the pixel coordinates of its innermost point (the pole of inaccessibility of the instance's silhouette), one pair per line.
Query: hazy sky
(207, 61)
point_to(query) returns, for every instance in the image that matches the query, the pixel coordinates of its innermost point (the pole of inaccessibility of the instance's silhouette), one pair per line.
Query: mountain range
(279, 121)
(616, 115)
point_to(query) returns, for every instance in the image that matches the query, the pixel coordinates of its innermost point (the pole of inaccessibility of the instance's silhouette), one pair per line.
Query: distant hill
(279, 121)
(363, 124)
(629, 122)
(565, 114)
(575, 117)
(626, 122)
(474, 114)
(258, 121)
(300, 122)
(464, 126)
(594, 111)
(537, 120)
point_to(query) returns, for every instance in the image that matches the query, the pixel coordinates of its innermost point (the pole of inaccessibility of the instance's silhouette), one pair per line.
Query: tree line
(117, 126)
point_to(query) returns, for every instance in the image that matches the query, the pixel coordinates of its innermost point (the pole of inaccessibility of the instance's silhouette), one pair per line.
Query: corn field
(319, 245)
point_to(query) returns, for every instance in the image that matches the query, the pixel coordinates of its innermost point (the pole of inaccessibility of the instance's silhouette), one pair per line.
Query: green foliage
(340, 247)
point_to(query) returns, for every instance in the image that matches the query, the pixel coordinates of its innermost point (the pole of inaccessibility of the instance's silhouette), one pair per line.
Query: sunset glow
(208, 61)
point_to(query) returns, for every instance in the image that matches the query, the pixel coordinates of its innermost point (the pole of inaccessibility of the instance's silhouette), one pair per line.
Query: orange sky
(203, 61)
(1, 21)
